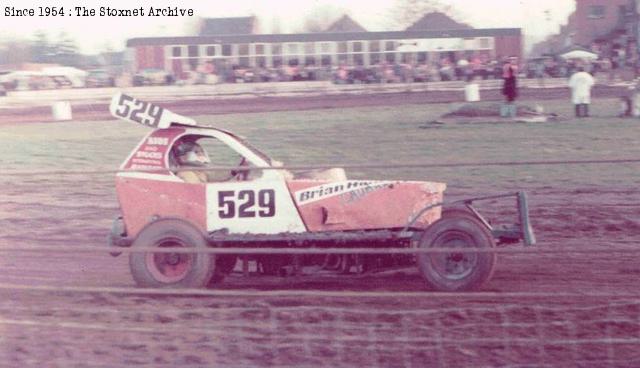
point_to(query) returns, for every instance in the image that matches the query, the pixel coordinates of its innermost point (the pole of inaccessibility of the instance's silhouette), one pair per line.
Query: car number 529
(246, 203)
(139, 111)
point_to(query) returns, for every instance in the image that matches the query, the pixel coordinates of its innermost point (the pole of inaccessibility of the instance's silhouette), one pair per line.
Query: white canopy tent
(579, 54)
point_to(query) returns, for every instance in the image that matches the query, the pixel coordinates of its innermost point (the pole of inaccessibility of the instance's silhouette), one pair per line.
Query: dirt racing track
(571, 302)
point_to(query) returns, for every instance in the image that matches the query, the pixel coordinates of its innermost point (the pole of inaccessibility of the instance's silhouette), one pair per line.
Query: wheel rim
(169, 267)
(456, 265)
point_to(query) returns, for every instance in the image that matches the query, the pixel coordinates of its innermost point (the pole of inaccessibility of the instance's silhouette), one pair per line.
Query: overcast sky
(93, 34)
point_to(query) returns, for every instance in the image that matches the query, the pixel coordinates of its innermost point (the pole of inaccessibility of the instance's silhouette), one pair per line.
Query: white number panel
(256, 207)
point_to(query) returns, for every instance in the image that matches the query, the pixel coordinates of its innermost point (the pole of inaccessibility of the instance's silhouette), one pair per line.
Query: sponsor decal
(349, 191)
(359, 193)
(152, 152)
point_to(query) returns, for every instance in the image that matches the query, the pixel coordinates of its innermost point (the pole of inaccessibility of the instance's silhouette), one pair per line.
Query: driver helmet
(190, 153)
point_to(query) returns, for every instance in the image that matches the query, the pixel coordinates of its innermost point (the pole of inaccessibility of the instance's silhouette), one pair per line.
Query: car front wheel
(171, 270)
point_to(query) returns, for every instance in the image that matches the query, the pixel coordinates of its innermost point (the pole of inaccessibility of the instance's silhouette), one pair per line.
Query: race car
(171, 195)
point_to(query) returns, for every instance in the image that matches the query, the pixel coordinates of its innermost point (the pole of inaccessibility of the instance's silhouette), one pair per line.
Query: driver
(190, 154)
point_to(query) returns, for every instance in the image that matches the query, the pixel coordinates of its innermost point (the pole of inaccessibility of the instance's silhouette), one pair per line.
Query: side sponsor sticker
(350, 190)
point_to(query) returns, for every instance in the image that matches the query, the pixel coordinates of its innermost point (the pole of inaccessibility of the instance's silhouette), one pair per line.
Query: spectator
(510, 88)
(478, 68)
(580, 84)
(539, 73)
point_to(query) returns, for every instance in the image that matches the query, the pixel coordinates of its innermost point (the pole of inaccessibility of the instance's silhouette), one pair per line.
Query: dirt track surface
(570, 206)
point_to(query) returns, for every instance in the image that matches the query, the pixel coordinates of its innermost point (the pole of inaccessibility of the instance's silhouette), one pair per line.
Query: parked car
(99, 78)
(152, 77)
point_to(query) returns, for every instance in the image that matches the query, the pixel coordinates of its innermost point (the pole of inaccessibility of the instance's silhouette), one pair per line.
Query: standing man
(580, 84)
(510, 88)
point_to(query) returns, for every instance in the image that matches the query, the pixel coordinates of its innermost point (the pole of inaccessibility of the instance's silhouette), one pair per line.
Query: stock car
(257, 204)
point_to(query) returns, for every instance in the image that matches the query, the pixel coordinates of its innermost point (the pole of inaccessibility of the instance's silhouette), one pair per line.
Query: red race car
(170, 197)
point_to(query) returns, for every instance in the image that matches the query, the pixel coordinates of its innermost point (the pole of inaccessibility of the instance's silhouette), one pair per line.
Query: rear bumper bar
(522, 230)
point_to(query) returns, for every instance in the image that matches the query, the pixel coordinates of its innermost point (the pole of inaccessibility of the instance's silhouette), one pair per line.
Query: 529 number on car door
(246, 203)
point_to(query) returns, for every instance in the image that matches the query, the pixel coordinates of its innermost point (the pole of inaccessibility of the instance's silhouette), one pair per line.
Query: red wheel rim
(169, 267)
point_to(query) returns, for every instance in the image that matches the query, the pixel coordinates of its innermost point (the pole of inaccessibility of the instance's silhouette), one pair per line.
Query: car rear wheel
(456, 271)
(171, 270)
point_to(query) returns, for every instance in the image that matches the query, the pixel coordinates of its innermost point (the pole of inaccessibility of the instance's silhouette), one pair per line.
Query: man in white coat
(580, 84)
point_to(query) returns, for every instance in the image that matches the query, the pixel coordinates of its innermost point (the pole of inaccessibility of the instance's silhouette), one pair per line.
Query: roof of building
(345, 24)
(435, 21)
(323, 37)
(227, 26)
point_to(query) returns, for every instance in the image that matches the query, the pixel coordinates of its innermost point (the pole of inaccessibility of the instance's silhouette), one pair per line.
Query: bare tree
(66, 50)
(321, 17)
(15, 51)
(276, 25)
(41, 49)
(407, 12)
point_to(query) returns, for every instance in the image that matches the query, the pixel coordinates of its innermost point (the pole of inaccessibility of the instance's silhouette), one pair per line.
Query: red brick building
(601, 25)
(347, 44)
(599, 19)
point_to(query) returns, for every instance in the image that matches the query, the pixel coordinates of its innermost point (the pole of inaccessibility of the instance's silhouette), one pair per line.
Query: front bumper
(117, 238)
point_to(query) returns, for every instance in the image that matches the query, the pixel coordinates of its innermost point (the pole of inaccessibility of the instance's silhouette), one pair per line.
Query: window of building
(326, 60)
(374, 46)
(211, 51)
(192, 50)
(176, 51)
(226, 50)
(342, 48)
(276, 49)
(325, 47)
(358, 59)
(356, 46)
(309, 48)
(292, 49)
(407, 58)
(259, 49)
(276, 61)
(484, 43)
(622, 10)
(390, 57)
(375, 58)
(390, 46)
(596, 11)
(243, 49)
(310, 61)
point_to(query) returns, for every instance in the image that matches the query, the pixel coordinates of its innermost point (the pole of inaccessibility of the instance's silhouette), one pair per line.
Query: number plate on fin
(148, 114)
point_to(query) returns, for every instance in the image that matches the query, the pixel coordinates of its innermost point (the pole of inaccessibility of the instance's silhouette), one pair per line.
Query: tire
(171, 270)
(456, 271)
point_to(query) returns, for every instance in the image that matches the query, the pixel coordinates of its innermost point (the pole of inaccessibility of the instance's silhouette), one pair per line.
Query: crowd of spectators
(442, 70)
(464, 69)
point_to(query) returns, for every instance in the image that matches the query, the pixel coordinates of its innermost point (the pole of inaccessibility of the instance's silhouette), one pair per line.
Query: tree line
(62, 50)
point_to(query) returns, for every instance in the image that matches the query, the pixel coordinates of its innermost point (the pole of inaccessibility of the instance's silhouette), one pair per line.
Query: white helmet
(190, 153)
